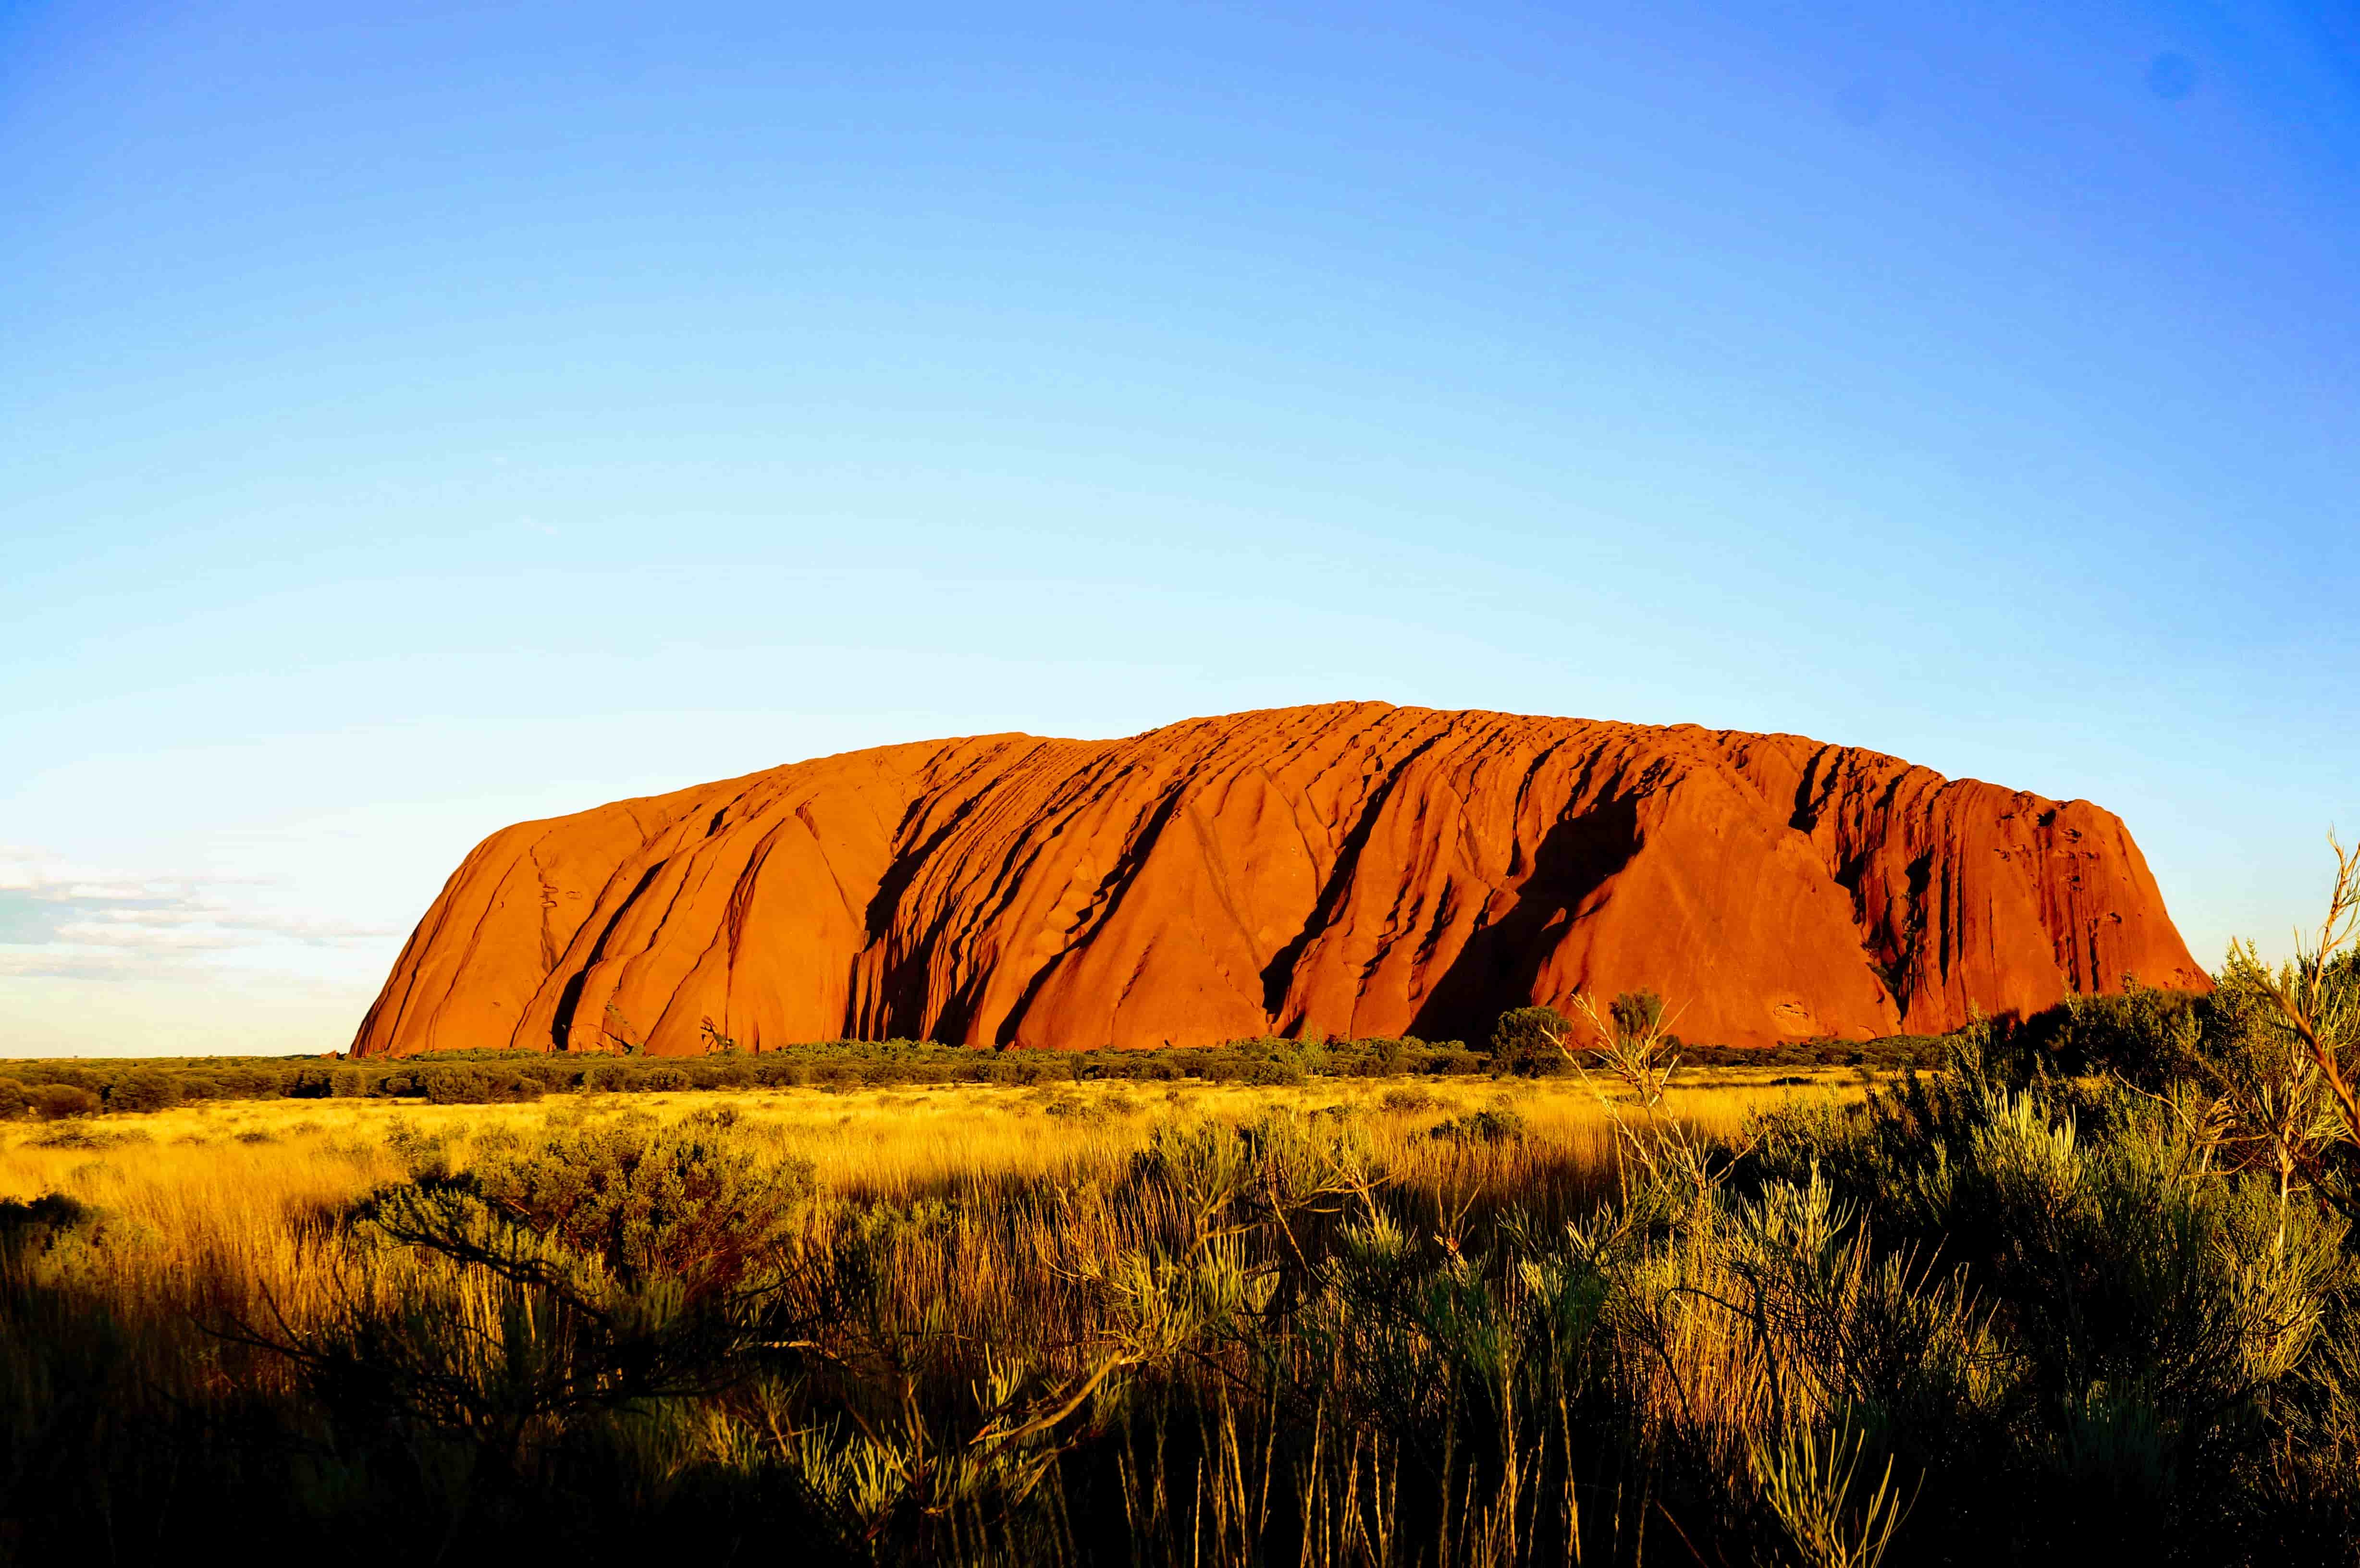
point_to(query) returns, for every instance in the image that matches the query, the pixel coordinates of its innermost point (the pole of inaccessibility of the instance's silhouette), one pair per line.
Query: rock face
(1355, 869)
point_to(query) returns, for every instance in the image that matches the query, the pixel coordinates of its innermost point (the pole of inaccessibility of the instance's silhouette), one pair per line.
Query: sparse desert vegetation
(2085, 1291)
(221, 1280)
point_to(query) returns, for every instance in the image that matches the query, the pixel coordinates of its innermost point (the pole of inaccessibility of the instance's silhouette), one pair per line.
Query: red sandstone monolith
(1353, 869)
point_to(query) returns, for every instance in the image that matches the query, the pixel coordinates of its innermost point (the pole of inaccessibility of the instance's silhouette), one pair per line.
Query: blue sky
(412, 420)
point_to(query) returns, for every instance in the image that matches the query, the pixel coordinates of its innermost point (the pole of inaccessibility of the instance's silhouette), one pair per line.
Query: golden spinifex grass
(231, 1197)
(223, 1169)
(989, 1227)
(1366, 1323)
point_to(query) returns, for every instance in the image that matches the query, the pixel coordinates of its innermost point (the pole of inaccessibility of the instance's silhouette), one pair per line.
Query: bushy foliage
(30, 1226)
(245, 1082)
(1530, 1042)
(2144, 1313)
(1637, 1012)
(469, 1085)
(143, 1091)
(604, 1267)
(638, 1203)
(56, 1102)
(1494, 1124)
(507, 1076)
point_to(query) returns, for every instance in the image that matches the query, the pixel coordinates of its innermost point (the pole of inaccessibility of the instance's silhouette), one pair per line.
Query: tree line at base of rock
(2084, 1034)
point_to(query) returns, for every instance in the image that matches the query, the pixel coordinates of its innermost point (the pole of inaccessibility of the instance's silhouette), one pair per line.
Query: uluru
(1353, 869)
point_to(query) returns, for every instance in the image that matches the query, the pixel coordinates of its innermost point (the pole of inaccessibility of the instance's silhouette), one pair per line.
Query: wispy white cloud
(57, 963)
(65, 921)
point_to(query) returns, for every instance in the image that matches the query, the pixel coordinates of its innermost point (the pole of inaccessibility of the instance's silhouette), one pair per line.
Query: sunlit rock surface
(1353, 869)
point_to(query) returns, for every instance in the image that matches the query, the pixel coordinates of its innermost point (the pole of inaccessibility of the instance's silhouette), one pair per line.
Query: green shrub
(80, 1134)
(13, 1099)
(730, 1072)
(39, 1072)
(27, 1228)
(1496, 1125)
(1526, 1043)
(2148, 1037)
(780, 1071)
(55, 1102)
(1271, 1071)
(624, 1266)
(456, 1086)
(684, 1203)
(1637, 1012)
(249, 1082)
(143, 1090)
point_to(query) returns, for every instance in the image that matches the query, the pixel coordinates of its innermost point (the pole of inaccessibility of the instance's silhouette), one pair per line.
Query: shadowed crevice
(561, 1027)
(1501, 960)
(1278, 974)
(1104, 901)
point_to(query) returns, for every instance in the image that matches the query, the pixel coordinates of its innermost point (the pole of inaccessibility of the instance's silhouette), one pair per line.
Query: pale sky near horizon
(414, 419)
